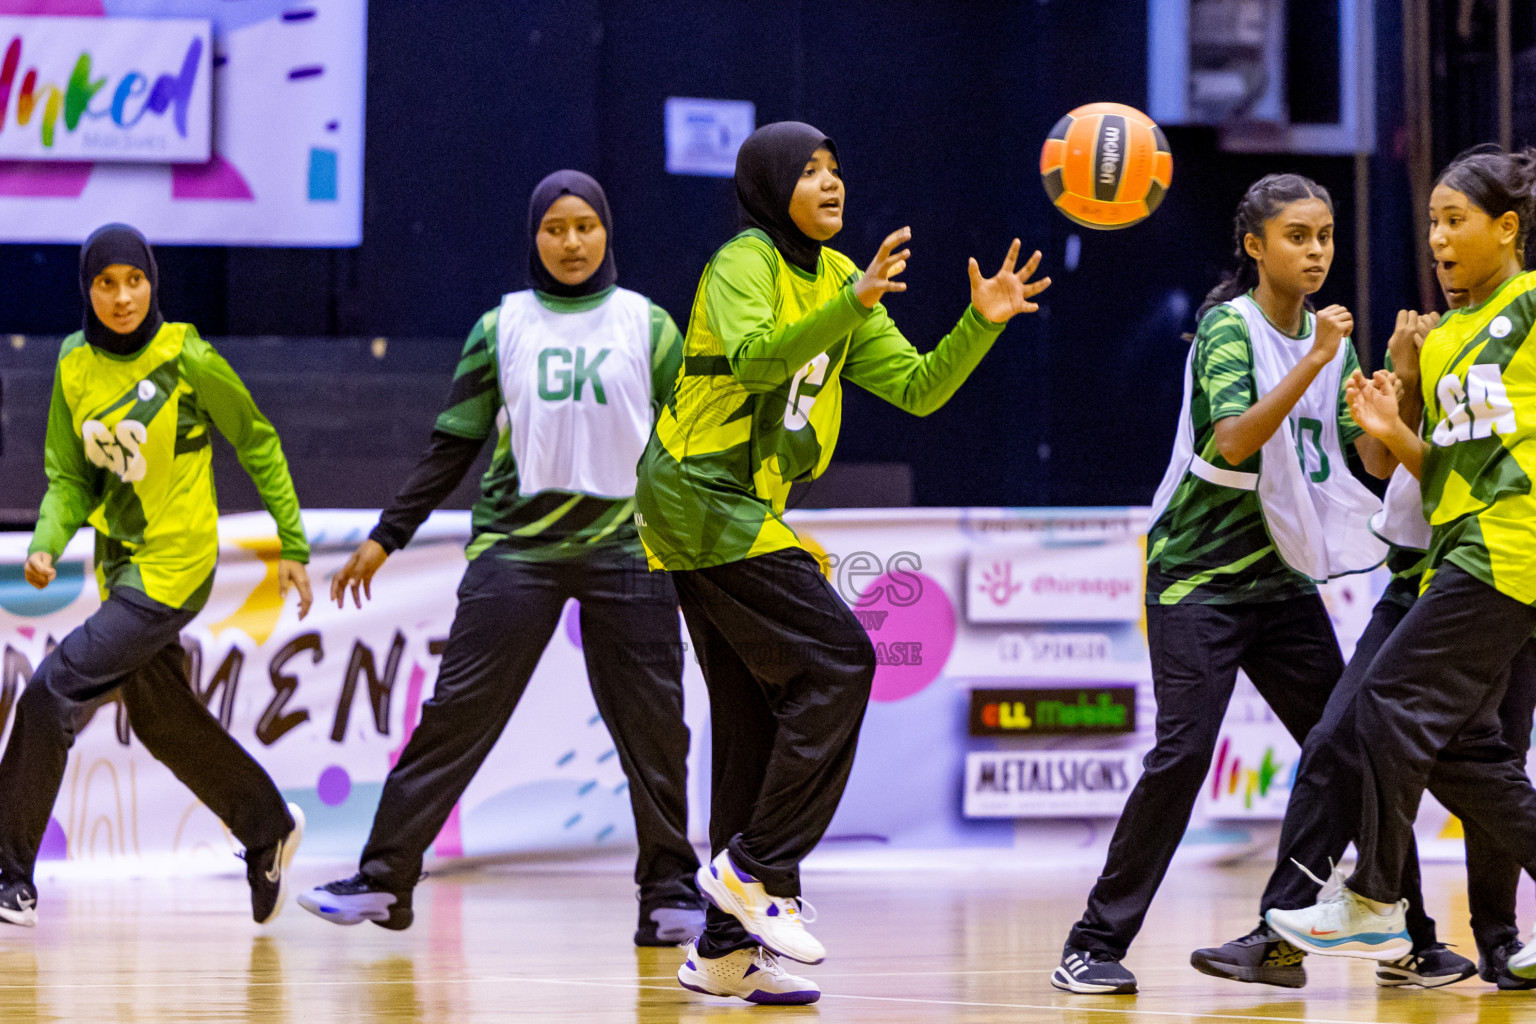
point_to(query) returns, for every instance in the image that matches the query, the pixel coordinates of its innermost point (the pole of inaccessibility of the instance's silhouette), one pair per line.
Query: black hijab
(119, 243)
(767, 167)
(545, 194)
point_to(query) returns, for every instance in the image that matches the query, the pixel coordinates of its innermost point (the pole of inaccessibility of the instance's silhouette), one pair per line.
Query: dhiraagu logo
(129, 89)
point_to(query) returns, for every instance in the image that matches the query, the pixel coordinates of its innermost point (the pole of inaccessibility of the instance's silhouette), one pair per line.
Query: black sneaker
(18, 903)
(1092, 973)
(1493, 966)
(358, 899)
(1261, 956)
(1429, 967)
(267, 870)
(669, 923)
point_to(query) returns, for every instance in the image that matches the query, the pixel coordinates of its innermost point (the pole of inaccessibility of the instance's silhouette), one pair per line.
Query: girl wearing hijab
(128, 451)
(778, 322)
(566, 376)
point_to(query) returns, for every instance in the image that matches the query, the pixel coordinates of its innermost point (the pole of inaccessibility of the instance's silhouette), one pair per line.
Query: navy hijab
(768, 166)
(545, 195)
(119, 243)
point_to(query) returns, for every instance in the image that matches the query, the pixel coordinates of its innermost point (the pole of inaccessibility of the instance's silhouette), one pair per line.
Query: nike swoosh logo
(277, 862)
(1310, 931)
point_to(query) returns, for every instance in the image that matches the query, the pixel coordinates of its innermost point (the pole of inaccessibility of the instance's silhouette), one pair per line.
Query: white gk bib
(576, 392)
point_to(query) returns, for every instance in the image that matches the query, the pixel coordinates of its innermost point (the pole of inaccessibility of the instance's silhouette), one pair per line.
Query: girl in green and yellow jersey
(1433, 691)
(778, 323)
(129, 426)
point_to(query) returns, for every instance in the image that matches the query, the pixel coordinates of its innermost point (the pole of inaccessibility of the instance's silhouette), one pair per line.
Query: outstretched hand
(880, 276)
(1006, 294)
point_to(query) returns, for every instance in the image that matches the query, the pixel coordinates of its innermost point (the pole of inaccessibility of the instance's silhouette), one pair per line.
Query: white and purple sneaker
(754, 974)
(776, 922)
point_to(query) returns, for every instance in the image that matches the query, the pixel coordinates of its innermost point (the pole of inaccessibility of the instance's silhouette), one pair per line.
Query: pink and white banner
(327, 704)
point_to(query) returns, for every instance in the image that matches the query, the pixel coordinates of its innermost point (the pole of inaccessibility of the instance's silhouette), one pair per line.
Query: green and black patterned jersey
(1210, 545)
(552, 524)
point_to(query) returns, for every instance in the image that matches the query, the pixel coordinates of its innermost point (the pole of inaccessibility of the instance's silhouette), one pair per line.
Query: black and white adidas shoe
(1261, 956)
(1430, 967)
(357, 899)
(18, 902)
(1092, 973)
(267, 870)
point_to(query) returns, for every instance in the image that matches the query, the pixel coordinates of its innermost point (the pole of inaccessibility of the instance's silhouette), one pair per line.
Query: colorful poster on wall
(250, 133)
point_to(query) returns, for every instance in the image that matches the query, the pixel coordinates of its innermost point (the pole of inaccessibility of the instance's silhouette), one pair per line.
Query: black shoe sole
(400, 918)
(1278, 977)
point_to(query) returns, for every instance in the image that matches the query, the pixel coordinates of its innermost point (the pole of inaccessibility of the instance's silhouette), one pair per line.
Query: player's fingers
(1033, 288)
(1012, 257)
(892, 240)
(1030, 266)
(974, 270)
(894, 269)
(895, 286)
(306, 597)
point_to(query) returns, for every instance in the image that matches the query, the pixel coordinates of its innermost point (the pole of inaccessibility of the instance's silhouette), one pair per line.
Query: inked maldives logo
(104, 88)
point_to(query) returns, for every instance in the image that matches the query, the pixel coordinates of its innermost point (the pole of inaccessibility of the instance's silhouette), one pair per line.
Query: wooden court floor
(535, 944)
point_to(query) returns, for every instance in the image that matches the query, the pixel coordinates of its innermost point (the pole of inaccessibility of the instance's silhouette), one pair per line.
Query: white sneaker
(753, 974)
(1344, 924)
(773, 921)
(1523, 963)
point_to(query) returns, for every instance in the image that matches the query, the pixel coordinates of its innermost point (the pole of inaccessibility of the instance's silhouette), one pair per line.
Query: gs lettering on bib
(576, 392)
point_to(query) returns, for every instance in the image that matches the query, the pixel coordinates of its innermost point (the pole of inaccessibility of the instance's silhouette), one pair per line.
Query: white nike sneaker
(1344, 924)
(773, 921)
(754, 974)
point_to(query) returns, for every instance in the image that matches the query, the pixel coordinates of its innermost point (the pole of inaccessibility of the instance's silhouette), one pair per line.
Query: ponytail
(1264, 199)
(1497, 182)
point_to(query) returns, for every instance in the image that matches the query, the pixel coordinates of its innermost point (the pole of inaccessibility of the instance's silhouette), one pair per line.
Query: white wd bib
(576, 389)
(1317, 514)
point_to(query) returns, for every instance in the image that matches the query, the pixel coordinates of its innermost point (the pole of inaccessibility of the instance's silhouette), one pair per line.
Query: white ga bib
(576, 392)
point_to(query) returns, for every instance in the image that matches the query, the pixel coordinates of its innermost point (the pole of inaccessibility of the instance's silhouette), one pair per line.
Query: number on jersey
(797, 411)
(1479, 410)
(118, 451)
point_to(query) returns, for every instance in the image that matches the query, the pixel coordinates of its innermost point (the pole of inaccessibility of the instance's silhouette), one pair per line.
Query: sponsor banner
(1049, 784)
(131, 89)
(1101, 582)
(214, 123)
(1254, 767)
(1046, 712)
(327, 704)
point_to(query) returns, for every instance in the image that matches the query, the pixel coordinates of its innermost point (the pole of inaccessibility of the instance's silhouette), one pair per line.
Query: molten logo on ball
(1106, 166)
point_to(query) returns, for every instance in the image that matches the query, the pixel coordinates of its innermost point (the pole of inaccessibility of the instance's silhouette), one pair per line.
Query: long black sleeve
(441, 467)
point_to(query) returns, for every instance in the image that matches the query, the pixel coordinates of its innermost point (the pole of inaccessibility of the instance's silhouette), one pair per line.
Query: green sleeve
(1349, 430)
(666, 356)
(739, 302)
(474, 398)
(1224, 363)
(885, 363)
(233, 410)
(72, 493)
